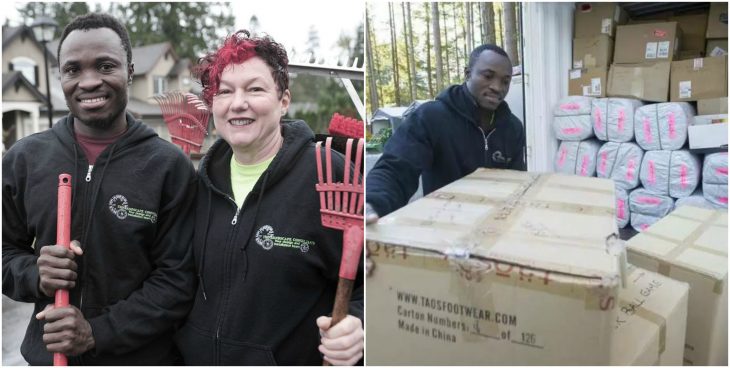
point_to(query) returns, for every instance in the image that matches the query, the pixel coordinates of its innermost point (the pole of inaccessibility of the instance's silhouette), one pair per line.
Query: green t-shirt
(244, 177)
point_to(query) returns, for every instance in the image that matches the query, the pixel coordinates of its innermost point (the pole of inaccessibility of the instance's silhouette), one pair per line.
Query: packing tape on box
(668, 259)
(650, 316)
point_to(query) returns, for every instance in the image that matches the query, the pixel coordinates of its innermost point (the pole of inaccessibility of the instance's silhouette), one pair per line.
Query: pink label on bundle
(621, 119)
(672, 126)
(723, 199)
(722, 170)
(570, 106)
(683, 176)
(647, 130)
(602, 166)
(648, 200)
(630, 166)
(597, 113)
(575, 130)
(652, 175)
(620, 209)
(644, 227)
(561, 160)
(584, 166)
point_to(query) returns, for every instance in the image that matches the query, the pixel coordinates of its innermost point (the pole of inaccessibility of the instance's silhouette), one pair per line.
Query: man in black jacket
(468, 126)
(130, 271)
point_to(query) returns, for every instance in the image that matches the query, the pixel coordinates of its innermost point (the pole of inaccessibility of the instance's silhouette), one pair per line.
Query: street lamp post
(44, 29)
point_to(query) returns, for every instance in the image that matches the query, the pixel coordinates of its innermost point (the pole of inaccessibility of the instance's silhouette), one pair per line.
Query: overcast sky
(287, 21)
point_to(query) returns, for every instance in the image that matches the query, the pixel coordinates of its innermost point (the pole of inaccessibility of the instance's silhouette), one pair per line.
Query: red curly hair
(236, 49)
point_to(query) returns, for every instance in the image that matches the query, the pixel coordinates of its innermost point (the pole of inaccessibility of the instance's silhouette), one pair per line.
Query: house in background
(157, 69)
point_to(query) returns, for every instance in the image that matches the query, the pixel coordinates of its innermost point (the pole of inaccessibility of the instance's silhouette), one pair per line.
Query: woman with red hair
(267, 268)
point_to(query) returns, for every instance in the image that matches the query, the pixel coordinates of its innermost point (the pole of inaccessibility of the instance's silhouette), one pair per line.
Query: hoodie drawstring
(252, 223)
(201, 267)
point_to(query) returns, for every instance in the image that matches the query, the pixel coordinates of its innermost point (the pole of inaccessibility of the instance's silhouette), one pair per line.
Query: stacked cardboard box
(498, 268)
(690, 245)
(717, 30)
(700, 78)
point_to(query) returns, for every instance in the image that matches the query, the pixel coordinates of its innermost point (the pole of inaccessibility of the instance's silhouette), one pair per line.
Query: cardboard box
(694, 28)
(649, 42)
(712, 106)
(716, 47)
(690, 54)
(593, 19)
(646, 81)
(690, 245)
(699, 78)
(592, 52)
(652, 320)
(710, 119)
(717, 20)
(587, 82)
(498, 268)
(710, 137)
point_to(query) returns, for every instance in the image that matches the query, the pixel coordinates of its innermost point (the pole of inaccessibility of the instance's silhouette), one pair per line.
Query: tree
(312, 43)
(428, 50)
(469, 27)
(254, 26)
(488, 24)
(372, 86)
(510, 39)
(437, 46)
(446, 48)
(410, 50)
(394, 53)
(62, 13)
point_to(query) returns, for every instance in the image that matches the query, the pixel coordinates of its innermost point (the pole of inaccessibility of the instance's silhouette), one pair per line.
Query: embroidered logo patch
(266, 239)
(119, 206)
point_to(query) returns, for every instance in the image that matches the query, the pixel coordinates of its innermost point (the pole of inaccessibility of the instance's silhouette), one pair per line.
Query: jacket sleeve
(519, 158)
(166, 296)
(20, 270)
(394, 178)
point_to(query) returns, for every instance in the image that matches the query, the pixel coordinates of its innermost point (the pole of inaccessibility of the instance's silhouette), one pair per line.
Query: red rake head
(346, 126)
(341, 204)
(186, 117)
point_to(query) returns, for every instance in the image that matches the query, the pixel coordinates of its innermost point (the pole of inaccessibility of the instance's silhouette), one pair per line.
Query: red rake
(346, 126)
(341, 207)
(63, 239)
(186, 117)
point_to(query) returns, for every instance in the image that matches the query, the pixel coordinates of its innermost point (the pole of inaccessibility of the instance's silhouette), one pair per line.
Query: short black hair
(94, 21)
(478, 51)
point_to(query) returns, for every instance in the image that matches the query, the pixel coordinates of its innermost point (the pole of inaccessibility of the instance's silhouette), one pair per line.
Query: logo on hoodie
(119, 206)
(266, 239)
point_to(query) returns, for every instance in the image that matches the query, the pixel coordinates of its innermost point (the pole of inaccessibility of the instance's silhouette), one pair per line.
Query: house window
(27, 67)
(160, 85)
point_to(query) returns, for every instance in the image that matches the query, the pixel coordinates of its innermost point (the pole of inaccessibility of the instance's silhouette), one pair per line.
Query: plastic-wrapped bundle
(620, 162)
(613, 118)
(672, 173)
(647, 208)
(714, 179)
(572, 118)
(663, 126)
(623, 212)
(697, 199)
(578, 158)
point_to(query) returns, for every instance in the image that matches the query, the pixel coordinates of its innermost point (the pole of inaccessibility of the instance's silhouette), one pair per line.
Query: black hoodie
(442, 141)
(268, 270)
(132, 215)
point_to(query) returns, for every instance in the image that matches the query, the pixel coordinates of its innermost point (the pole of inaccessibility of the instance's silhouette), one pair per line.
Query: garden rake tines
(341, 207)
(186, 117)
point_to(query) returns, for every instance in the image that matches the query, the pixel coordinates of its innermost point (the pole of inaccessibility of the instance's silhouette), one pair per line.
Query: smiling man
(130, 270)
(468, 126)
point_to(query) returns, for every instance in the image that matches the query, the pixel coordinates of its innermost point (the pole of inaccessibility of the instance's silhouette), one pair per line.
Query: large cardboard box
(646, 81)
(716, 47)
(717, 20)
(593, 19)
(592, 52)
(699, 78)
(646, 42)
(712, 106)
(652, 320)
(587, 82)
(694, 28)
(498, 268)
(690, 245)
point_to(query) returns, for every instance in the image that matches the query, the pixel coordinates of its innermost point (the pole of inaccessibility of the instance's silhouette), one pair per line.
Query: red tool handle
(63, 239)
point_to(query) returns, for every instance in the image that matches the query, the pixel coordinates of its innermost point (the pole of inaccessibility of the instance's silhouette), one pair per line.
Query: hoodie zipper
(226, 282)
(486, 138)
(88, 173)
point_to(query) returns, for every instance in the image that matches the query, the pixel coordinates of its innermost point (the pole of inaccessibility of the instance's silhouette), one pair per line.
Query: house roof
(181, 66)
(146, 57)
(12, 33)
(16, 79)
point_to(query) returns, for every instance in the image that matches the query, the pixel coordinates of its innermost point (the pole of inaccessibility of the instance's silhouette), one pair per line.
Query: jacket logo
(266, 239)
(119, 206)
(497, 157)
